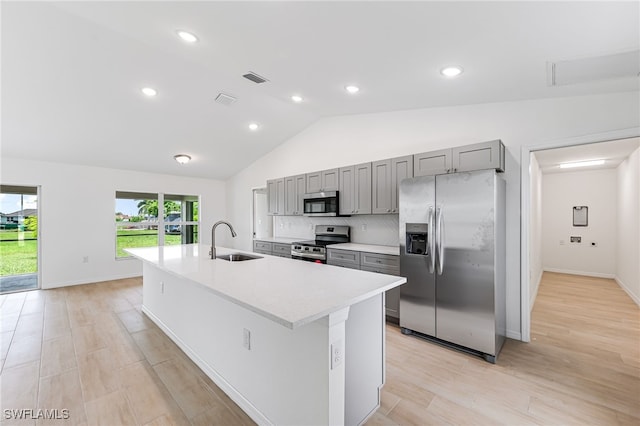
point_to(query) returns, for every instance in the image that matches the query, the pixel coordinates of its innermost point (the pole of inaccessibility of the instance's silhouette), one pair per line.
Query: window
(147, 220)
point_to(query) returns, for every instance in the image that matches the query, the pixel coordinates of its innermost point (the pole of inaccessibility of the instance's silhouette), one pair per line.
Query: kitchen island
(290, 342)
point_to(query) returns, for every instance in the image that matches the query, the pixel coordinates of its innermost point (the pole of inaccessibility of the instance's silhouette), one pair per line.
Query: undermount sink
(237, 257)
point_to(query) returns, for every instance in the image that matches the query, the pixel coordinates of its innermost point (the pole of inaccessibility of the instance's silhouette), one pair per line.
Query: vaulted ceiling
(72, 71)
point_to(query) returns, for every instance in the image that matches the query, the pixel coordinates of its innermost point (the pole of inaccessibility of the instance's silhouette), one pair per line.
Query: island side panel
(285, 378)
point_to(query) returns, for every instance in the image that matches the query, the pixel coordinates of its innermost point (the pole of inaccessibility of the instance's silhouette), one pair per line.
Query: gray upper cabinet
(386, 177)
(325, 180)
(479, 156)
(401, 168)
(275, 197)
(294, 189)
(290, 196)
(381, 187)
(432, 163)
(355, 189)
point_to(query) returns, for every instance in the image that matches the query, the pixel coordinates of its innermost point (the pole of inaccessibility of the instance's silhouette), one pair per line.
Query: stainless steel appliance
(321, 204)
(315, 250)
(452, 252)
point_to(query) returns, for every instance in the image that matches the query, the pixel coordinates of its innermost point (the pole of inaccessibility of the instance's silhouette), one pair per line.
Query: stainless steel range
(316, 250)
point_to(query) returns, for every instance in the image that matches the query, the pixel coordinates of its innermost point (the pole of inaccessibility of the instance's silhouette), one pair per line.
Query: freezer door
(465, 205)
(417, 296)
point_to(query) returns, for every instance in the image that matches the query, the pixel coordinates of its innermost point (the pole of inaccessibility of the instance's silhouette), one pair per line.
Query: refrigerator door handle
(431, 242)
(440, 248)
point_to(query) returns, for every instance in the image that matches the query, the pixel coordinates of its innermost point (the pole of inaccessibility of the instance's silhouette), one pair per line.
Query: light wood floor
(90, 350)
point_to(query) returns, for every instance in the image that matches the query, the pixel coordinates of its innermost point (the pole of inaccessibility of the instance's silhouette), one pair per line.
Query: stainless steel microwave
(321, 204)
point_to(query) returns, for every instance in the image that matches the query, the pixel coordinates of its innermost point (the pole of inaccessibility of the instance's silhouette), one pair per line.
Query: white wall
(560, 192)
(535, 230)
(345, 140)
(628, 232)
(77, 206)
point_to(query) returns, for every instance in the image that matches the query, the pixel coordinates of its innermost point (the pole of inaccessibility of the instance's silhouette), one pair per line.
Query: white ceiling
(613, 152)
(72, 71)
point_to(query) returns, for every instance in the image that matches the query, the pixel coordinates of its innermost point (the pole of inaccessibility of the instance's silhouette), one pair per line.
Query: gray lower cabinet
(372, 262)
(386, 176)
(274, 249)
(263, 247)
(479, 156)
(355, 189)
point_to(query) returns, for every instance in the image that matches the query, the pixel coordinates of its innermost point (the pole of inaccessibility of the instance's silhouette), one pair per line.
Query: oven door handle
(308, 255)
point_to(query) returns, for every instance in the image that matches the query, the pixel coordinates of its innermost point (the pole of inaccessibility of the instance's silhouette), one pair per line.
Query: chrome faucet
(212, 252)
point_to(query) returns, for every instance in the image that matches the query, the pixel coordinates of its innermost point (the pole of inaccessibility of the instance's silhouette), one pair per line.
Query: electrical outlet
(576, 239)
(85, 259)
(337, 353)
(161, 287)
(246, 339)
(364, 227)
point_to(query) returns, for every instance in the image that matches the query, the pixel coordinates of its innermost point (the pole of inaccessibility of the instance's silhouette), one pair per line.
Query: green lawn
(21, 256)
(18, 257)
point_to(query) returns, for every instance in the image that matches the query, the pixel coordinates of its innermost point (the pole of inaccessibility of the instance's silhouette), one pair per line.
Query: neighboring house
(13, 220)
(172, 217)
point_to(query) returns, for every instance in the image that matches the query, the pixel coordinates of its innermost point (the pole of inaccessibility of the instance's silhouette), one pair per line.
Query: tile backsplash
(365, 229)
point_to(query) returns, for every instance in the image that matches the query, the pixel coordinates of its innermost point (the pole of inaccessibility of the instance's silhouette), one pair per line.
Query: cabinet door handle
(388, 210)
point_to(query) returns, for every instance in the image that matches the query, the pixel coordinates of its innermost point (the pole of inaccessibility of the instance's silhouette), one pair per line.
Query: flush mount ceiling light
(296, 98)
(254, 126)
(182, 158)
(451, 71)
(352, 89)
(149, 91)
(187, 36)
(581, 164)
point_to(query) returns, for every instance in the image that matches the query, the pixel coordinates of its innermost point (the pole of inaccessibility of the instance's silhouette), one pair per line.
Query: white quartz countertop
(279, 240)
(368, 248)
(288, 291)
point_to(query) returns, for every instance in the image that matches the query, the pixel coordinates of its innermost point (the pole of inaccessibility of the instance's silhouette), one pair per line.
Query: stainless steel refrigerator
(452, 252)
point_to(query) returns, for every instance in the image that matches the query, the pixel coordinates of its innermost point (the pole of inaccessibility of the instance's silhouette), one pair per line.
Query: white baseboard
(88, 281)
(246, 406)
(532, 299)
(627, 290)
(584, 273)
(512, 334)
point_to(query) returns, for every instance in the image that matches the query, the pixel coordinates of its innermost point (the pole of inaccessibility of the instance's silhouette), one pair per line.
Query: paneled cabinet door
(479, 156)
(314, 182)
(381, 187)
(362, 188)
(272, 197)
(345, 195)
(290, 196)
(301, 188)
(401, 168)
(432, 163)
(280, 196)
(330, 180)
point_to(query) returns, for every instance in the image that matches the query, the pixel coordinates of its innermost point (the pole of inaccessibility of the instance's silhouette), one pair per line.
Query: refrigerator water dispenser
(417, 239)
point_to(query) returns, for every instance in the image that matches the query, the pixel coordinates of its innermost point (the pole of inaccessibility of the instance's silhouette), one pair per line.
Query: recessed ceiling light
(182, 158)
(253, 126)
(149, 91)
(352, 89)
(186, 36)
(452, 71)
(581, 164)
(296, 98)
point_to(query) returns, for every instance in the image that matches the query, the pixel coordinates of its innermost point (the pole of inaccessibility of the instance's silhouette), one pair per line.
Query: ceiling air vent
(226, 100)
(597, 68)
(254, 77)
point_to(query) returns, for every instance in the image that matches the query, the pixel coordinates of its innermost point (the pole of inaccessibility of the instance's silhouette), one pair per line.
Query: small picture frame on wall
(580, 216)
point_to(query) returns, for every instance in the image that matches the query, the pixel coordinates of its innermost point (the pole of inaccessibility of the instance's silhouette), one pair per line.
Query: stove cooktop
(315, 243)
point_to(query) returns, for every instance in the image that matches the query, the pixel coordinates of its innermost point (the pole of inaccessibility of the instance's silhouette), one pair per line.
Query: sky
(10, 203)
(128, 207)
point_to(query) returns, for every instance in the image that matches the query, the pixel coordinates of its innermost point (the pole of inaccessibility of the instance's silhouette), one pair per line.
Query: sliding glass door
(18, 238)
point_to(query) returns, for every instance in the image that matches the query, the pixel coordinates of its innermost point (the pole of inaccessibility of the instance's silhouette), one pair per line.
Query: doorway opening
(262, 224)
(19, 236)
(585, 250)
